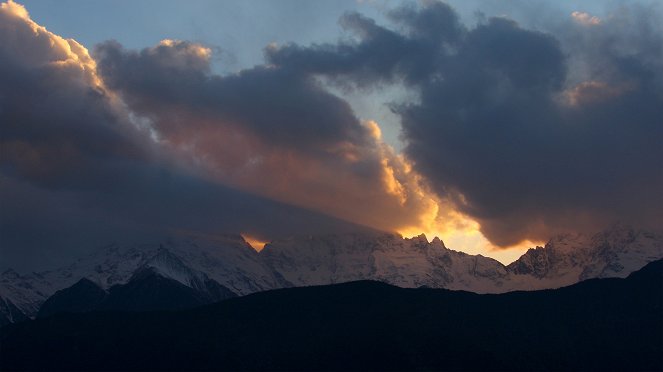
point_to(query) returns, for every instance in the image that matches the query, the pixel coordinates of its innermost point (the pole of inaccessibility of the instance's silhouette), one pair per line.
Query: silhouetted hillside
(147, 290)
(601, 324)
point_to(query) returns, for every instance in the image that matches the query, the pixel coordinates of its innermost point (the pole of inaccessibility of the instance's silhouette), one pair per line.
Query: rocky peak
(419, 239)
(438, 242)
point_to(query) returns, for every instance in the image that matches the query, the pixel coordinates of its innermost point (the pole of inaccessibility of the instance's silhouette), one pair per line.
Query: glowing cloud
(585, 19)
(590, 92)
(270, 131)
(15, 9)
(46, 48)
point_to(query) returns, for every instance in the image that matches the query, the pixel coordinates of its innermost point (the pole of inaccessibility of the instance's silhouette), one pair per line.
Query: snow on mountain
(25, 292)
(565, 260)
(10, 313)
(414, 262)
(334, 258)
(570, 258)
(228, 260)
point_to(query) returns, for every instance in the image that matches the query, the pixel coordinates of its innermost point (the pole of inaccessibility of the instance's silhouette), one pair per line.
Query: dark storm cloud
(413, 52)
(532, 153)
(531, 133)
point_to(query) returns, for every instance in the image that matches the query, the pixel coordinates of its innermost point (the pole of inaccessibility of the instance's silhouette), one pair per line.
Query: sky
(493, 125)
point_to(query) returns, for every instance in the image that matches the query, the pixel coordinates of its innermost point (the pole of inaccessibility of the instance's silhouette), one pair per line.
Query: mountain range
(186, 271)
(609, 324)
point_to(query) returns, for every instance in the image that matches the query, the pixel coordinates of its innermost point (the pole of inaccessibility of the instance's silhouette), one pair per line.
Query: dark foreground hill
(147, 290)
(603, 324)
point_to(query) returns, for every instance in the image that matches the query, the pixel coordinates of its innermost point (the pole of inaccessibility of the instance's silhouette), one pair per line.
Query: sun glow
(461, 233)
(474, 242)
(255, 243)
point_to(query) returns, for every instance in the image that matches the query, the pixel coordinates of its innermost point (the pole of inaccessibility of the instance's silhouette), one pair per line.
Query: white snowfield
(337, 258)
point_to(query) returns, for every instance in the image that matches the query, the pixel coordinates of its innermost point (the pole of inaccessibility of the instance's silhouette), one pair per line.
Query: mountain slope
(409, 263)
(599, 324)
(81, 297)
(228, 260)
(149, 290)
(10, 313)
(568, 259)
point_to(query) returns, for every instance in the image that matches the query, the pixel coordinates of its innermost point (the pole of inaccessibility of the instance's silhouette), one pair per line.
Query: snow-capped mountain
(148, 289)
(228, 260)
(565, 260)
(389, 258)
(334, 258)
(570, 258)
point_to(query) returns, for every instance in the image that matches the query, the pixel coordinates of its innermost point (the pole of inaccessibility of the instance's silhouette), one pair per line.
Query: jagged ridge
(324, 259)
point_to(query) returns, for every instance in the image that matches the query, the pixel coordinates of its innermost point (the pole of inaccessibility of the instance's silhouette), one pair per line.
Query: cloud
(528, 164)
(527, 132)
(519, 133)
(272, 130)
(56, 115)
(78, 169)
(138, 144)
(585, 19)
(378, 54)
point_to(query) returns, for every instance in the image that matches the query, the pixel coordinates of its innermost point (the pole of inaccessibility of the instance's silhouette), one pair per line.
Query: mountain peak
(437, 241)
(420, 238)
(83, 296)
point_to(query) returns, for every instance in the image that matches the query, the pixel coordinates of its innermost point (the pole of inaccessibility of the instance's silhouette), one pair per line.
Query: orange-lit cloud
(590, 92)
(272, 148)
(391, 197)
(460, 232)
(585, 19)
(45, 48)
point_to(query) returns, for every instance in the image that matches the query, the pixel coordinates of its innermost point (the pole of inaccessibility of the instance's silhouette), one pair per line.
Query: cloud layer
(526, 132)
(272, 130)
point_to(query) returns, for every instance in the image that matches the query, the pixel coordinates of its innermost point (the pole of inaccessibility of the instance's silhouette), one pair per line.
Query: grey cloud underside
(41, 227)
(504, 124)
